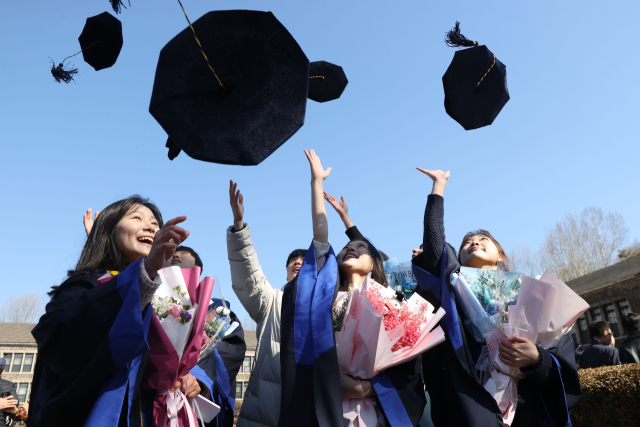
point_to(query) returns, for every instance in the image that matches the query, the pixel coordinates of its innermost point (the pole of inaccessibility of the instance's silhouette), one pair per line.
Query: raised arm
(318, 210)
(247, 279)
(342, 209)
(433, 239)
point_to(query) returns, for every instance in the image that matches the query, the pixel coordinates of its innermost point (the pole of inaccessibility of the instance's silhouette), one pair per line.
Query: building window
(28, 362)
(244, 388)
(246, 367)
(610, 312)
(22, 392)
(623, 306)
(239, 390)
(584, 329)
(17, 362)
(8, 357)
(596, 315)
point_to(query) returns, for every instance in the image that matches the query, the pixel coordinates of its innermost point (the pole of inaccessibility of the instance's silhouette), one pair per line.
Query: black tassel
(453, 38)
(174, 150)
(60, 74)
(117, 4)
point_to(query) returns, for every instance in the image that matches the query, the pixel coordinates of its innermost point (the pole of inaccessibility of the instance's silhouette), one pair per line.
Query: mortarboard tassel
(117, 4)
(60, 74)
(174, 149)
(453, 38)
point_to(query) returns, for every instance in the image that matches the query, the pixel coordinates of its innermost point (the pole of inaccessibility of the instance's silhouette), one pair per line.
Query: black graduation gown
(91, 346)
(218, 371)
(311, 393)
(448, 370)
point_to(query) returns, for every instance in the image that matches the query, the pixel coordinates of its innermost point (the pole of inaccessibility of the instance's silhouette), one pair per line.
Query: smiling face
(134, 233)
(293, 268)
(480, 251)
(355, 259)
(182, 260)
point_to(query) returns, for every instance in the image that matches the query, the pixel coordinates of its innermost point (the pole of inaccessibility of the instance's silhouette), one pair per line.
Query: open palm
(317, 171)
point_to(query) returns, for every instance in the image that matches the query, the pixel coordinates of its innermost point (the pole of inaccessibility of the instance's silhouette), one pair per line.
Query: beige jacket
(263, 302)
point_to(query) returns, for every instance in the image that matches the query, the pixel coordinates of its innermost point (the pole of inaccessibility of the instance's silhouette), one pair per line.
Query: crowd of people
(292, 383)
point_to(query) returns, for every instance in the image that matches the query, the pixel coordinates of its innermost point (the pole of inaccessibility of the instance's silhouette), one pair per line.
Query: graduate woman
(312, 387)
(92, 338)
(547, 393)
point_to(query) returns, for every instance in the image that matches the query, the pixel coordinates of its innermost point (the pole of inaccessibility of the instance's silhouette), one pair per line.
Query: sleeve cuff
(354, 234)
(148, 286)
(539, 373)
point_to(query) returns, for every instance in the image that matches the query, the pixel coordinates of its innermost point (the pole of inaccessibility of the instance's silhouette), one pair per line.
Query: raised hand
(317, 171)
(165, 243)
(88, 220)
(439, 179)
(237, 207)
(341, 208)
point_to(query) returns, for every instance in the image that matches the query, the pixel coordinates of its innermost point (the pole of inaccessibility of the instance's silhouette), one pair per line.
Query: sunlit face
(182, 260)
(479, 251)
(134, 233)
(293, 268)
(355, 259)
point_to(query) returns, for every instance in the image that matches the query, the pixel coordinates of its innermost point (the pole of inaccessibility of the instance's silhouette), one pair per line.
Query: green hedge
(610, 397)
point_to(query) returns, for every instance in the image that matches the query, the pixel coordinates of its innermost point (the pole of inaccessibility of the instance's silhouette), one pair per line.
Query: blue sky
(567, 139)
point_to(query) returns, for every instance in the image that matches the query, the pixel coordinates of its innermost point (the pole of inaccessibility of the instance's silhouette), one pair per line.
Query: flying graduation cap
(100, 44)
(475, 84)
(239, 90)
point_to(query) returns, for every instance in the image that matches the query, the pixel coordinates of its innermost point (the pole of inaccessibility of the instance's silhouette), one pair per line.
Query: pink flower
(175, 310)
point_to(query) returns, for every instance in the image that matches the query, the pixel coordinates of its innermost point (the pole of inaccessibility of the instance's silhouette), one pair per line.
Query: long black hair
(100, 252)
(377, 270)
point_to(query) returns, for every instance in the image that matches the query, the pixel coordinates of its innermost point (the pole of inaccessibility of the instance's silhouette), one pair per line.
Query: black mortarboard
(100, 44)
(475, 84)
(327, 81)
(252, 103)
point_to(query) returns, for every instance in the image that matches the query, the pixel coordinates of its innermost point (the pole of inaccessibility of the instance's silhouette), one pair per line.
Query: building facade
(611, 292)
(242, 380)
(19, 349)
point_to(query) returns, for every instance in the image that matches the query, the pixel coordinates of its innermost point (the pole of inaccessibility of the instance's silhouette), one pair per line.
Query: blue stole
(439, 288)
(223, 397)
(128, 342)
(549, 422)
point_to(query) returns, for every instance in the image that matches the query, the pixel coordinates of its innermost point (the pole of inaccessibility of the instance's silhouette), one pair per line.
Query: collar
(632, 336)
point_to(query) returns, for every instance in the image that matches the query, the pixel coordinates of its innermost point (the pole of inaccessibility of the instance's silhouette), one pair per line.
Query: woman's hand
(439, 180)
(237, 206)
(88, 221)
(164, 246)
(8, 404)
(519, 352)
(317, 171)
(353, 389)
(191, 386)
(340, 207)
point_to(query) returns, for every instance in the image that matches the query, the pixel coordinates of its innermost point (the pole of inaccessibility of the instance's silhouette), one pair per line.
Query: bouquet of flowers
(375, 331)
(175, 337)
(501, 305)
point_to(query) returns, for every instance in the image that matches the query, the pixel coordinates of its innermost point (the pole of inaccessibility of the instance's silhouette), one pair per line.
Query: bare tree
(523, 260)
(582, 244)
(24, 309)
(248, 324)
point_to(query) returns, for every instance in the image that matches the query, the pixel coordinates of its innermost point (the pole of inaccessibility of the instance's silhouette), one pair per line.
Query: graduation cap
(475, 84)
(239, 90)
(100, 44)
(327, 81)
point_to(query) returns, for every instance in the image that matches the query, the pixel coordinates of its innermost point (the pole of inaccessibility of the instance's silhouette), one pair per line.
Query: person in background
(8, 401)
(263, 302)
(630, 349)
(602, 351)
